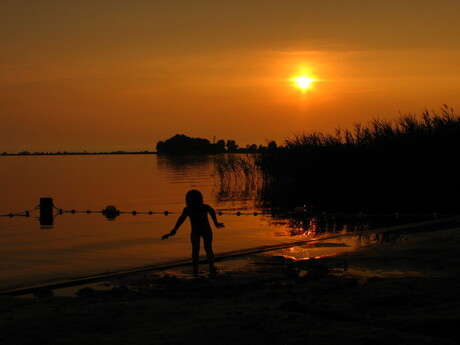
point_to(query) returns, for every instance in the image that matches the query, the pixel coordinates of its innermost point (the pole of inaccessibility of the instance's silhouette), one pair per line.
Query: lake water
(83, 244)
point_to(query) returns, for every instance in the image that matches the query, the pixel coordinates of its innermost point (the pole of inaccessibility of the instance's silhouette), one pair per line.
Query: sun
(303, 82)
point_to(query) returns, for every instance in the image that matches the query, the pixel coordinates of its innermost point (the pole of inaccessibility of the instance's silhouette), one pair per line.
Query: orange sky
(121, 75)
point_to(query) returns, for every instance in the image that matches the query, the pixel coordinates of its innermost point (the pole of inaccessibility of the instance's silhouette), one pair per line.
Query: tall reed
(238, 176)
(410, 164)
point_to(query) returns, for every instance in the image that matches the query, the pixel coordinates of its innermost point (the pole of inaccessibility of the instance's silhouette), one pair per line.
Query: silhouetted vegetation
(239, 177)
(407, 165)
(181, 144)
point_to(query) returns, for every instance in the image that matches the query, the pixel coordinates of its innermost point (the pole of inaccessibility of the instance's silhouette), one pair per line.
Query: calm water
(83, 244)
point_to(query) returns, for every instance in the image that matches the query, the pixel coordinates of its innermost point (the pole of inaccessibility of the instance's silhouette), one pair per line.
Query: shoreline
(47, 287)
(400, 293)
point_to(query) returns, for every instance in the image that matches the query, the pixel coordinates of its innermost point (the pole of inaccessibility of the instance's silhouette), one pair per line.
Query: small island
(181, 144)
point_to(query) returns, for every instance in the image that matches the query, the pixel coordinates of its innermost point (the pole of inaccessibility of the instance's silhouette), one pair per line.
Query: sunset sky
(121, 75)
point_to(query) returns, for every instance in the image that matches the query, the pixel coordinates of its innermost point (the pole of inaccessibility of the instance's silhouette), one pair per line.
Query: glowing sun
(303, 82)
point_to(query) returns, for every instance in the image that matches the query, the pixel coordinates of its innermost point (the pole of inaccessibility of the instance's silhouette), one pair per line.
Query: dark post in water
(46, 211)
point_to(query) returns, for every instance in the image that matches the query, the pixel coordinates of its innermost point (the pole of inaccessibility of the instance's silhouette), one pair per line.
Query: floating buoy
(46, 211)
(255, 213)
(110, 212)
(238, 213)
(134, 213)
(150, 212)
(219, 213)
(166, 213)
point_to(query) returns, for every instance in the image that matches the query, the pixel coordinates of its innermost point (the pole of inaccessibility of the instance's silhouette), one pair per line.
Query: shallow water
(84, 244)
(226, 265)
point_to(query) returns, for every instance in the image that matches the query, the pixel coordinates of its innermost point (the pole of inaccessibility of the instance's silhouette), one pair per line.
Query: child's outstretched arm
(214, 218)
(179, 222)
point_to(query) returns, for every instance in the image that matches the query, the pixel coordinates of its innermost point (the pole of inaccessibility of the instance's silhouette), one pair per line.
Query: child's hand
(171, 233)
(220, 225)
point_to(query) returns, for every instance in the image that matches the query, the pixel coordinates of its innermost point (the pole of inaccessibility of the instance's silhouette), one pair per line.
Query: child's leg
(195, 239)
(207, 239)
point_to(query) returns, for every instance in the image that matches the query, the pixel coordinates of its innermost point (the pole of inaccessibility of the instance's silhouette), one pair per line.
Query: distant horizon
(241, 145)
(70, 153)
(116, 151)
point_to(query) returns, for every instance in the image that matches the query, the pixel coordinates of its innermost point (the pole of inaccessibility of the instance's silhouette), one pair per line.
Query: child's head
(193, 198)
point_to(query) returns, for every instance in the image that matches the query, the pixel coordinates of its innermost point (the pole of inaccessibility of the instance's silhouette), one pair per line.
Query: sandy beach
(404, 292)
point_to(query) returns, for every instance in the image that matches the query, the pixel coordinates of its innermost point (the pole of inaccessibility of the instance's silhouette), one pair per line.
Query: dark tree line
(181, 144)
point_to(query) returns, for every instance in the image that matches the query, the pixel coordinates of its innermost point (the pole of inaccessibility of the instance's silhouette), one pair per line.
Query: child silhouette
(198, 212)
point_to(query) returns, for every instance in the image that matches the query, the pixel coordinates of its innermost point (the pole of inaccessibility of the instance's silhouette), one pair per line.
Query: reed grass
(410, 164)
(238, 176)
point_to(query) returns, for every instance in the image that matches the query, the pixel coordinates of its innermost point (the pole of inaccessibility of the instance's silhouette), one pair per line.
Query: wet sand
(400, 293)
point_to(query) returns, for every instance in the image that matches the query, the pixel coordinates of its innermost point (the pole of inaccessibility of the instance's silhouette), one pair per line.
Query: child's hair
(193, 198)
